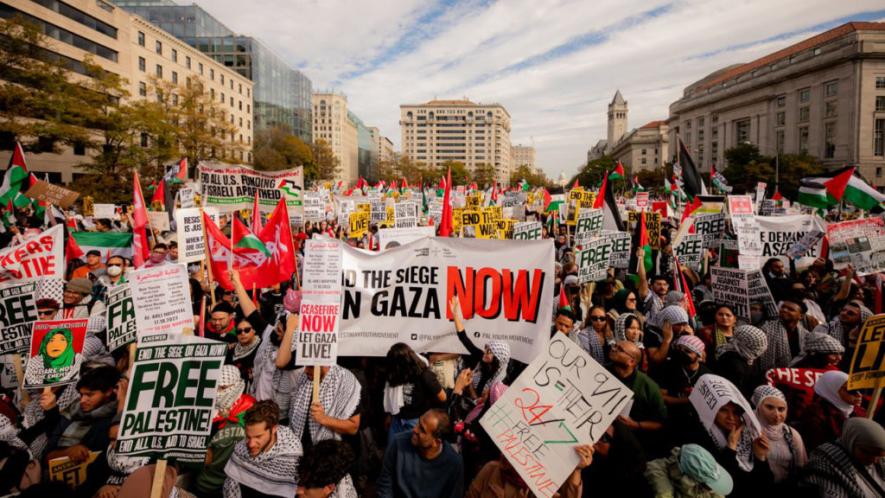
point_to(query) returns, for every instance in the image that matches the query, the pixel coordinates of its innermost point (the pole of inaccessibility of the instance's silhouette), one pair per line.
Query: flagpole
(207, 257)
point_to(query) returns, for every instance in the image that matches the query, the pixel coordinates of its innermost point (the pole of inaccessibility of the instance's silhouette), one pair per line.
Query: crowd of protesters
(407, 425)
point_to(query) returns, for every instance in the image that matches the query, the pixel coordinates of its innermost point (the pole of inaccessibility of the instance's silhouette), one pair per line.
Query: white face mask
(114, 270)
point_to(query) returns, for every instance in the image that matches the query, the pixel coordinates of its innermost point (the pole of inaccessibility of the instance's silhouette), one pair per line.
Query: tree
(526, 173)
(484, 174)
(653, 179)
(591, 174)
(460, 173)
(793, 167)
(275, 149)
(325, 165)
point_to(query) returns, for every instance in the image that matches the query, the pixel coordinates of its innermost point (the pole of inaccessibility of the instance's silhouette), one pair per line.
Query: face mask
(114, 270)
(756, 317)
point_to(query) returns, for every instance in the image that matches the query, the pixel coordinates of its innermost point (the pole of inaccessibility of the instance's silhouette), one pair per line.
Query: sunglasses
(46, 312)
(244, 331)
(597, 318)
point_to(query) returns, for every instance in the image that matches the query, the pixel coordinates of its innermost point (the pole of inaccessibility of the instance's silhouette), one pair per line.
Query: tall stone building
(824, 96)
(457, 130)
(128, 45)
(617, 120)
(383, 145)
(644, 148)
(522, 155)
(332, 124)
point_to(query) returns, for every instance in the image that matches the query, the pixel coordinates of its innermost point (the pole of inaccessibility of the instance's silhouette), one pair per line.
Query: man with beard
(677, 377)
(846, 327)
(420, 463)
(786, 336)
(648, 412)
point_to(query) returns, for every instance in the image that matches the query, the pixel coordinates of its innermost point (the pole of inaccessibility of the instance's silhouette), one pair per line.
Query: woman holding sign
(56, 360)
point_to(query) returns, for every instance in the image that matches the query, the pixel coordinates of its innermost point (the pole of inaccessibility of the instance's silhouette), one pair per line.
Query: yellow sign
(88, 204)
(578, 199)
(389, 217)
(474, 200)
(868, 363)
(359, 224)
(364, 207)
(505, 229)
(456, 219)
(652, 225)
(71, 473)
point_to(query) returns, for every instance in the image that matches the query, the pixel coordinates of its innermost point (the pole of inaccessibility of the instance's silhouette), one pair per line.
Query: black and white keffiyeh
(339, 395)
(620, 331)
(778, 354)
(501, 351)
(835, 329)
(272, 472)
(747, 341)
(122, 466)
(710, 394)
(268, 381)
(241, 351)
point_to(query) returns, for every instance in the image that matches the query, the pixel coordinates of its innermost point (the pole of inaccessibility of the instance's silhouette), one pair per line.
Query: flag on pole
(177, 173)
(694, 185)
(637, 187)
(141, 251)
(15, 180)
(644, 243)
(813, 194)
(835, 183)
(256, 215)
(106, 243)
(844, 184)
(159, 197)
(576, 185)
(445, 224)
(617, 173)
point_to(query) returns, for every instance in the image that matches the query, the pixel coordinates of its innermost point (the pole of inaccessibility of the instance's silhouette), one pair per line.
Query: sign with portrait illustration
(56, 352)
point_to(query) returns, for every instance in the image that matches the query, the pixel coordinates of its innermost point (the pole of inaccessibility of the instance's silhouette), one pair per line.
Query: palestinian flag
(7, 215)
(547, 198)
(777, 195)
(245, 241)
(605, 200)
(637, 187)
(15, 180)
(835, 183)
(862, 195)
(813, 194)
(524, 185)
(644, 243)
(106, 243)
(694, 184)
(617, 173)
(576, 185)
(158, 200)
(177, 172)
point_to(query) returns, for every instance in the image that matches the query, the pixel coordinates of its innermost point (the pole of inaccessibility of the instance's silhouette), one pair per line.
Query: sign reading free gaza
(171, 397)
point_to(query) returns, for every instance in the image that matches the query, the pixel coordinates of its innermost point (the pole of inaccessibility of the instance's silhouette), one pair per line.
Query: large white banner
(505, 289)
(231, 187)
(38, 256)
(779, 233)
(389, 238)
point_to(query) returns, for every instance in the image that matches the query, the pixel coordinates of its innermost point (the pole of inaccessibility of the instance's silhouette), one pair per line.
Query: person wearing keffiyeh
(850, 467)
(846, 327)
(336, 412)
(737, 357)
(786, 454)
(786, 336)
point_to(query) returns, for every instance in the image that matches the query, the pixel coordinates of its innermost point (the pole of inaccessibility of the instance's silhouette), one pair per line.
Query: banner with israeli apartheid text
(229, 187)
(505, 289)
(171, 396)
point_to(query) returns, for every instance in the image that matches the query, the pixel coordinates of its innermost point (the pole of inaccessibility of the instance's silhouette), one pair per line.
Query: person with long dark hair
(411, 388)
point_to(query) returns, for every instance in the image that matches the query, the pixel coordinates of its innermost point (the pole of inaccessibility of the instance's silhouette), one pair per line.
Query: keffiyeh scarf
(748, 341)
(230, 387)
(339, 395)
(501, 351)
(270, 473)
(589, 342)
(620, 331)
(241, 351)
(778, 354)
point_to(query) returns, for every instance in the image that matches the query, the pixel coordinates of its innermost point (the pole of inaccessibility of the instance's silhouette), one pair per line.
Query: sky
(553, 64)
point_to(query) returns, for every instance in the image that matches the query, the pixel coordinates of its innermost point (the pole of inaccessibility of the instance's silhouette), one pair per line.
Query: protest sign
(388, 238)
(314, 209)
(711, 393)
(401, 295)
(711, 226)
(860, 243)
(868, 363)
(120, 319)
(642, 201)
(779, 233)
(652, 225)
(593, 260)
(159, 220)
(186, 197)
(72, 473)
(40, 255)
(18, 310)
(588, 226)
(578, 199)
(171, 396)
(162, 297)
(406, 215)
(316, 342)
(759, 291)
(56, 352)
(51, 194)
(690, 250)
(760, 194)
(809, 240)
(104, 211)
(505, 229)
(345, 207)
(619, 243)
(378, 207)
(527, 230)
(562, 399)
(358, 223)
(232, 187)
(189, 231)
(730, 287)
(743, 221)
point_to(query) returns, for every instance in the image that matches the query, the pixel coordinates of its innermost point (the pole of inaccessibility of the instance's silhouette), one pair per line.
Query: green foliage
(746, 167)
(276, 149)
(525, 173)
(460, 174)
(324, 166)
(591, 175)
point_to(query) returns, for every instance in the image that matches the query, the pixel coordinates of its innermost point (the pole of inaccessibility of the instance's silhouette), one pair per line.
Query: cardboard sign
(743, 221)
(578, 199)
(189, 231)
(56, 352)
(18, 310)
(619, 244)
(730, 286)
(711, 393)
(120, 317)
(232, 187)
(406, 215)
(159, 221)
(314, 207)
(171, 396)
(186, 197)
(73, 474)
(593, 260)
(38, 256)
(358, 223)
(652, 225)
(589, 225)
(389, 238)
(104, 211)
(52, 194)
(562, 399)
(316, 342)
(527, 230)
(860, 243)
(711, 226)
(162, 297)
(868, 363)
(690, 251)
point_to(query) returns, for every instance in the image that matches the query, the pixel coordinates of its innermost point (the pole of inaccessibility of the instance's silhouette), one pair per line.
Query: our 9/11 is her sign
(171, 397)
(316, 342)
(562, 399)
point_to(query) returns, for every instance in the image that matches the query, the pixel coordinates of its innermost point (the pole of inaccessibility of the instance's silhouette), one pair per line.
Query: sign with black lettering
(779, 233)
(162, 297)
(620, 244)
(593, 260)
(120, 317)
(56, 353)
(588, 226)
(690, 250)
(562, 399)
(18, 310)
(527, 230)
(189, 231)
(233, 187)
(711, 226)
(868, 363)
(652, 225)
(171, 397)
(730, 286)
(316, 341)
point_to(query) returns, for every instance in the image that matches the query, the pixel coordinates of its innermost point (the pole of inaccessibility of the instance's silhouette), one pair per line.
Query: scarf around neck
(339, 395)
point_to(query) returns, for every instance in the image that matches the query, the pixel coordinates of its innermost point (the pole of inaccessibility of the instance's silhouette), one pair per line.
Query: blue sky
(553, 64)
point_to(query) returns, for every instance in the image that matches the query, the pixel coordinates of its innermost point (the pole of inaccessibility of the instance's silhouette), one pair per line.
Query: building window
(831, 88)
(241, 104)
(880, 82)
(174, 99)
(782, 101)
(643, 152)
(803, 139)
(222, 97)
(241, 88)
(159, 71)
(212, 74)
(742, 131)
(779, 141)
(142, 64)
(141, 38)
(879, 138)
(805, 95)
(222, 78)
(144, 139)
(830, 139)
(159, 47)
(142, 89)
(79, 149)
(200, 68)
(804, 114)
(643, 160)
(878, 171)
(830, 109)
(781, 118)
(187, 61)
(174, 77)
(880, 103)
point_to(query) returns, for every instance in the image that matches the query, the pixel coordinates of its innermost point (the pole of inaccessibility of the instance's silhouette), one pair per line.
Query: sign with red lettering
(561, 400)
(505, 289)
(40, 255)
(162, 298)
(316, 342)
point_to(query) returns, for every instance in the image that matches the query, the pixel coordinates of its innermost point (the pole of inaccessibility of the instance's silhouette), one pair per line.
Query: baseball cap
(699, 464)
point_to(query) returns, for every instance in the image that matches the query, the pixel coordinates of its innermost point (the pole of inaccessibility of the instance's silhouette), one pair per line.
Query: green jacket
(668, 481)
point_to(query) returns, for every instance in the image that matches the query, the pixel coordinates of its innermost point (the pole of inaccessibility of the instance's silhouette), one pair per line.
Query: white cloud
(383, 56)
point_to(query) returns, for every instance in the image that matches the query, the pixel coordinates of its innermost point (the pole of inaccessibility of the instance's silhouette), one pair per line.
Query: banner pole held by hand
(316, 382)
(871, 410)
(159, 477)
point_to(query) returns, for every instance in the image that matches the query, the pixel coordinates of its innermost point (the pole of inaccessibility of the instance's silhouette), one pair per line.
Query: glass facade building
(366, 157)
(281, 95)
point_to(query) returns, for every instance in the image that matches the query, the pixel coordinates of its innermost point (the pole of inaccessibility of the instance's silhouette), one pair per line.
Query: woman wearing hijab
(624, 301)
(490, 364)
(833, 403)
(719, 333)
(56, 360)
(736, 357)
(786, 451)
(853, 466)
(628, 328)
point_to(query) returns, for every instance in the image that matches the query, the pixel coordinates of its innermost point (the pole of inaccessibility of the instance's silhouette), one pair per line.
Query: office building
(383, 146)
(332, 124)
(522, 155)
(644, 148)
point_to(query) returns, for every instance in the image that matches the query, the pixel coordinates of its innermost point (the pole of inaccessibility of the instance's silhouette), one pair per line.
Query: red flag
(141, 251)
(72, 248)
(445, 223)
(599, 202)
(256, 216)
(777, 196)
(690, 208)
(393, 185)
(563, 298)
(836, 185)
(181, 175)
(404, 183)
(547, 199)
(689, 302)
(361, 183)
(576, 185)
(159, 196)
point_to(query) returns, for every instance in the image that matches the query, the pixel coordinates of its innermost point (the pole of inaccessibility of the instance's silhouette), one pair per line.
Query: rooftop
(652, 124)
